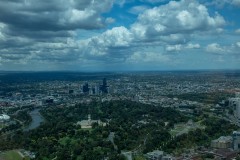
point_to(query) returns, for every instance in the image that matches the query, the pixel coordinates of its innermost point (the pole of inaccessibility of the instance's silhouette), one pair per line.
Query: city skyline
(119, 35)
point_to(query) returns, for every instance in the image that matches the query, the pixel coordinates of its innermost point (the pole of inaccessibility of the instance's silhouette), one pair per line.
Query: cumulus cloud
(238, 44)
(138, 9)
(1, 31)
(183, 17)
(118, 37)
(147, 57)
(220, 49)
(179, 47)
(217, 3)
(236, 3)
(154, 1)
(32, 29)
(238, 31)
(193, 46)
(171, 48)
(215, 48)
(222, 3)
(54, 15)
(46, 31)
(170, 25)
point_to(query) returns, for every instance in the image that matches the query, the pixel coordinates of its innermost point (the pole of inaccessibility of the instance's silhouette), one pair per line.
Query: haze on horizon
(108, 35)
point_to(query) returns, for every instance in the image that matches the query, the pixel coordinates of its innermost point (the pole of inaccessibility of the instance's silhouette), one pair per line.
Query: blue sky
(115, 35)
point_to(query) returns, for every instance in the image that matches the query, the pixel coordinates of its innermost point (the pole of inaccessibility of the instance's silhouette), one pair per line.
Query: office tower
(93, 91)
(97, 91)
(70, 91)
(104, 87)
(85, 88)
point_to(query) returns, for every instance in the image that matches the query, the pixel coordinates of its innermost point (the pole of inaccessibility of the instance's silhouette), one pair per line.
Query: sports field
(11, 155)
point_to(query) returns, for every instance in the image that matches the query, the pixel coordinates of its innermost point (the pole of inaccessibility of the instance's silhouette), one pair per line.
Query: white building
(154, 155)
(4, 117)
(88, 123)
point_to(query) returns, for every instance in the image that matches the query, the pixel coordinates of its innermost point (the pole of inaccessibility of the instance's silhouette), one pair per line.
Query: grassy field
(177, 129)
(184, 128)
(10, 155)
(67, 140)
(139, 158)
(1, 125)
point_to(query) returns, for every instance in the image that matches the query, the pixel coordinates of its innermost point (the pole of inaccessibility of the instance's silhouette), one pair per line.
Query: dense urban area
(126, 116)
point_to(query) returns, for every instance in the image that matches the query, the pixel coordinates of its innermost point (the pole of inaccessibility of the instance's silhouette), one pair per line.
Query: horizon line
(108, 71)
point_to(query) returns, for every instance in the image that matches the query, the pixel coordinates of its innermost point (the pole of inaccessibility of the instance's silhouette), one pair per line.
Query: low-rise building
(4, 117)
(222, 142)
(88, 123)
(236, 140)
(154, 155)
(168, 157)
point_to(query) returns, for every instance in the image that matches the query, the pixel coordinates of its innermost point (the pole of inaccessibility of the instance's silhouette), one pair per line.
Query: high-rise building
(104, 82)
(97, 89)
(85, 88)
(70, 91)
(104, 87)
(93, 91)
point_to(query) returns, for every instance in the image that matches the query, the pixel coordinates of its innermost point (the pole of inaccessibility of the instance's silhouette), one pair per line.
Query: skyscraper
(85, 88)
(104, 87)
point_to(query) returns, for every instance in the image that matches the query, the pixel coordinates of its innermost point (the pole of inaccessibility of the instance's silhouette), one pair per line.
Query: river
(37, 119)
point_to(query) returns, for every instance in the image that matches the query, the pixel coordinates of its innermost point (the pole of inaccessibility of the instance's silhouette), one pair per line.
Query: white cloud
(172, 48)
(138, 9)
(238, 44)
(217, 3)
(110, 20)
(115, 38)
(183, 17)
(154, 1)
(215, 48)
(237, 31)
(1, 31)
(121, 3)
(222, 3)
(236, 3)
(179, 47)
(147, 57)
(219, 30)
(221, 49)
(171, 25)
(55, 14)
(192, 46)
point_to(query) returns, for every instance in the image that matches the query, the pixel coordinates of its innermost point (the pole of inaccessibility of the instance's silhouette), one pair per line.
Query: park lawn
(10, 155)
(139, 157)
(67, 140)
(178, 128)
(174, 132)
(2, 126)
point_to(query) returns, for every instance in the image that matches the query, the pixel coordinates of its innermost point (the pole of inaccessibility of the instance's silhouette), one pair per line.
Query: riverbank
(37, 119)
